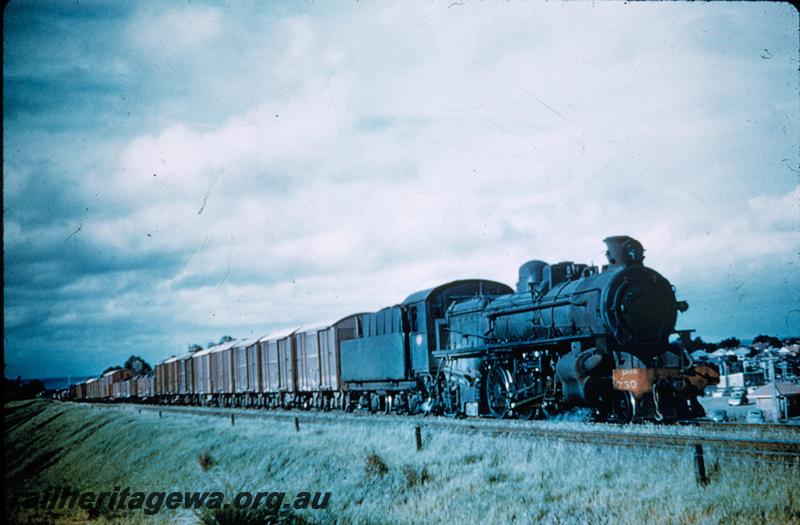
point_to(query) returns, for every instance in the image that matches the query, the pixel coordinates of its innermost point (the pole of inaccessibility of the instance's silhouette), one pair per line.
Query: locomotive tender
(570, 335)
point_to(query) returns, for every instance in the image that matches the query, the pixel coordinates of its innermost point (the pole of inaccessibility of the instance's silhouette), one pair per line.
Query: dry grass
(374, 466)
(205, 461)
(376, 475)
(232, 516)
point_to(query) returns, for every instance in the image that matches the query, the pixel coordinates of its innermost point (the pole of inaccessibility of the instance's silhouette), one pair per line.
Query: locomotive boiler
(573, 335)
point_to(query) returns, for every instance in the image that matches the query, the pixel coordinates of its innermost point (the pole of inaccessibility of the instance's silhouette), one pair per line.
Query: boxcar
(254, 371)
(102, 388)
(224, 381)
(246, 371)
(330, 340)
(111, 378)
(116, 391)
(145, 387)
(92, 388)
(171, 378)
(129, 388)
(272, 352)
(184, 377)
(203, 375)
(308, 366)
(163, 380)
(160, 383)
(78, 391)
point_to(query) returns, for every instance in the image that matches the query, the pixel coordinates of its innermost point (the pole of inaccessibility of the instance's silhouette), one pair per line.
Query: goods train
(570, 335)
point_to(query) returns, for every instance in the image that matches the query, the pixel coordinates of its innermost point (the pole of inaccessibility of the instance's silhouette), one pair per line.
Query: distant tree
(137, 365)
(194, 347)
(225, 339)
(768, 339)
(20, 389)
(110, 368)
(730, 342)
(699, 344)
(33, 388)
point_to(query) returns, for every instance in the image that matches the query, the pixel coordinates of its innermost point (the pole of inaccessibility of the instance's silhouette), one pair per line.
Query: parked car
(739, 397)
(755, 416)
(718, 416)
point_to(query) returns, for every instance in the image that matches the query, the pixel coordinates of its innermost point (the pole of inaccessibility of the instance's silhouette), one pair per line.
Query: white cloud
(384, 158)
(174, 32)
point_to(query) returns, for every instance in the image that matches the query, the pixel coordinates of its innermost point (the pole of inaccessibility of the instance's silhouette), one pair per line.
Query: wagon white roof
(315, 327)
(92, 380)
(170, 360)
(111, 372)
(207, 351)
(223, 346)
(279, 334)
(250, 341)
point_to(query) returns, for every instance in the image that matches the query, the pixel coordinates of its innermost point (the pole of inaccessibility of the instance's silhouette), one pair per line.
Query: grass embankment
(374, 473)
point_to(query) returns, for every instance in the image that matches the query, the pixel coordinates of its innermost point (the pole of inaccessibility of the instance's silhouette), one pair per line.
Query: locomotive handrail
(535, 307)
(475, 351)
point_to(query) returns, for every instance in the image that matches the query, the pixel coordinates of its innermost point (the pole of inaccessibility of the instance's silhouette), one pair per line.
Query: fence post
(418, 436)
(233, 421)
(700, 465)
(297, 424)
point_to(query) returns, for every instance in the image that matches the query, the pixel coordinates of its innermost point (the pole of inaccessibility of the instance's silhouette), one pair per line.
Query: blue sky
(178, 171)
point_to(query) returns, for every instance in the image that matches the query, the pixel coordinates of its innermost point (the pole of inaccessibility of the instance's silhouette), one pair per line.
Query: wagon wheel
(498, 391)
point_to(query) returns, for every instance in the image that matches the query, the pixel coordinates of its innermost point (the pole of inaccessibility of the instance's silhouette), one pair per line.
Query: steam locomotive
(571, 335)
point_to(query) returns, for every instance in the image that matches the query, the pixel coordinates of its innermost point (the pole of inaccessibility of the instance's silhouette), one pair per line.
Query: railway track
(785, 427)
(784, 450)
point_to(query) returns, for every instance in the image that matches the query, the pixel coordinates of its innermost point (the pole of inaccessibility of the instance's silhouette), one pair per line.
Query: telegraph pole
(775, 407)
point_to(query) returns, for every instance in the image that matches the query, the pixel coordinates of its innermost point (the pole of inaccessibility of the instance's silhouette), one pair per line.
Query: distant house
(788, 399)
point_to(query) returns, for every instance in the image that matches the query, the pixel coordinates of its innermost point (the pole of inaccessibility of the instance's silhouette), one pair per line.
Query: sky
(178, 171)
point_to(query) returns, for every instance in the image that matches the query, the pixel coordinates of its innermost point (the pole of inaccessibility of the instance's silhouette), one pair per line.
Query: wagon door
(286, 355)
(314, 359)
(240, 368)
(253, 368)
(327, 359)
(302, 362)
(274, 364)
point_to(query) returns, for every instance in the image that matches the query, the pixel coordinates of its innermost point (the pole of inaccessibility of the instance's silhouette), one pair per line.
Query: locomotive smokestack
(624, 250)
(530, 275)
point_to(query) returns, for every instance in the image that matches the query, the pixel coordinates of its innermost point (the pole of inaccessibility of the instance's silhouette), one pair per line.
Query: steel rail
(790, 427)
(789, 450)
